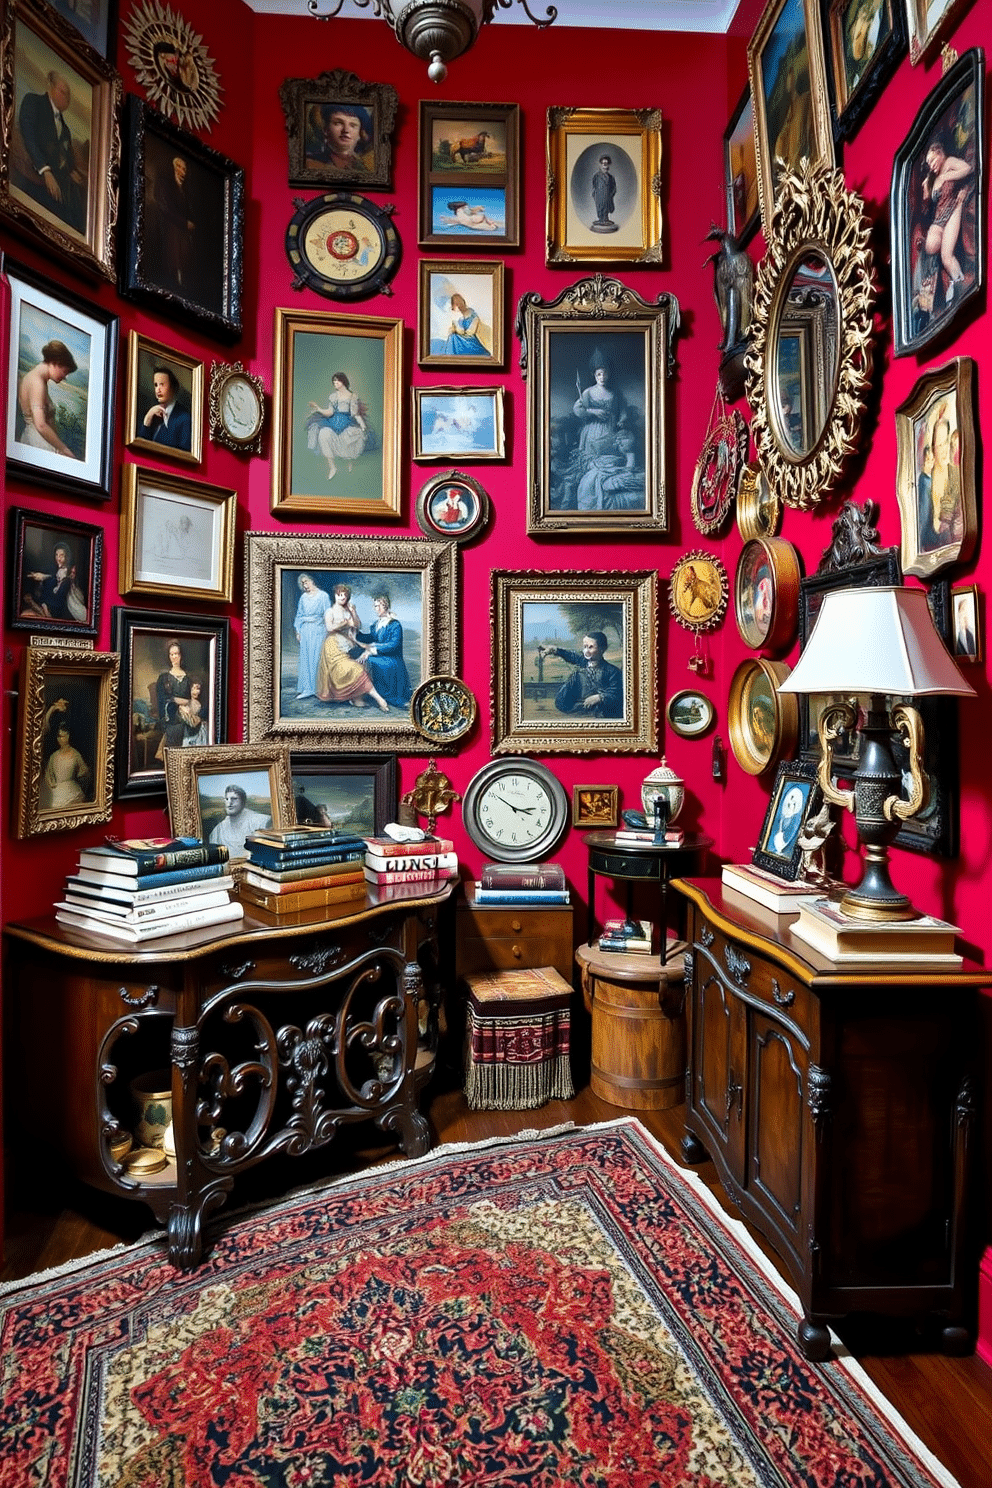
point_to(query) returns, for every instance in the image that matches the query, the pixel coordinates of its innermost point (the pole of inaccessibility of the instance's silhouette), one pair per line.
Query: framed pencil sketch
(183, 224)
(574, 662)
(56, 574)
(967, 626)
(339, 633)
(61, 381)
(930, 23)
(604, 186)
(95, 20)
(177, 536)
(164, 402)
(337, 414)
(339, 130)
(356, 792)
(937, 210)
(222, 792)
(173, 690)
(596, 360)
(469, 175)
(740, 171)
(935, 476)
(65, 740)
(461, 313)
(789, 87)
(59, 137)
(866, 41)
(457, 423)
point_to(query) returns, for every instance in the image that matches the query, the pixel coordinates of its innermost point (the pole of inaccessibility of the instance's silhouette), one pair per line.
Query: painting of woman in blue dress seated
(382, 653)
(596, 460)
(339, 431)
(463, 338)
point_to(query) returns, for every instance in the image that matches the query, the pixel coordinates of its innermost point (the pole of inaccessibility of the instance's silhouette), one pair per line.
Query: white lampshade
(876, 641)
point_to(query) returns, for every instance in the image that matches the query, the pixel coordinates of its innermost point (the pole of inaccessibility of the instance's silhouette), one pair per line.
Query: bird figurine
(812, 842)
(733, 286)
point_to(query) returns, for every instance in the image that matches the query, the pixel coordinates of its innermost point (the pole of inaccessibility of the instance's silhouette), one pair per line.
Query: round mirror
(805, 347)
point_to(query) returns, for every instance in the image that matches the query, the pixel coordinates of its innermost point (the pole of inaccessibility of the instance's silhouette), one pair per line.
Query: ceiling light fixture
(436, 30)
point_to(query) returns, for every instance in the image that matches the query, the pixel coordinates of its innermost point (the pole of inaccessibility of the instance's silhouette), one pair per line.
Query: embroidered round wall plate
(443, 709)
(718, 471)
(698, 591)
(343, 246)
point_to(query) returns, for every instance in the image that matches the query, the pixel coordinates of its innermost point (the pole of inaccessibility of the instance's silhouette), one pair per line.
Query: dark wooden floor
(948, 1402)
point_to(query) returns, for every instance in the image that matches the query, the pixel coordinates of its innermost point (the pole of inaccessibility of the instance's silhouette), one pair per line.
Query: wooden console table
(839, 1108)
(277, 1030)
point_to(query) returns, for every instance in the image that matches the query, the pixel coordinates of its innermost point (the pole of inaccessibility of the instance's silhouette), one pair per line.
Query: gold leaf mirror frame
(815, 217)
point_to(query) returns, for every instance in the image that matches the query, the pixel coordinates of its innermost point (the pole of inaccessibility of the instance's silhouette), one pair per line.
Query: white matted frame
(604, 186)
(177, 536)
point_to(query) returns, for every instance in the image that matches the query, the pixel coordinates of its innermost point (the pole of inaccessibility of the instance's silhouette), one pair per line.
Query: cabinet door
(778, 1131)
(719, 1052)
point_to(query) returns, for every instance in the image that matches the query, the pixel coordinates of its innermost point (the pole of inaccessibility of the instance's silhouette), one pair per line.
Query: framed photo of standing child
(605, 204)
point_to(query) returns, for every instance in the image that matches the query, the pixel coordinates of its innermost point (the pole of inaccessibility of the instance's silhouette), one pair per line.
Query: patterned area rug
(566, 1308)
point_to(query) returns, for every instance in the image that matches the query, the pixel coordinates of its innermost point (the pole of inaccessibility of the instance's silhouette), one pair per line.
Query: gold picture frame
(457, 423)
(788, 75)
(355, 363)
(157, 376)
(597, 360)
(935, 475)
(177, 536)
(196, 812)
(595, 807)
(461, 313)
(76, 214)
(698, 591)
(66, 737)
(539, 704)
(763, 723)
(296, 684)
(604, 186)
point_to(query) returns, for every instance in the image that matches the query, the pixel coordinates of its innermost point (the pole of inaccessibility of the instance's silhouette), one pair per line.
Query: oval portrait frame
(682, 703)
(698, 601)
(434, 496)
(772, 564)
(756, 756)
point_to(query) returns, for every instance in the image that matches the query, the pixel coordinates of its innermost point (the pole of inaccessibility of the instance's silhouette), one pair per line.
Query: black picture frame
(878, 29)
(783, 857)
(315, 774)
(923, 310)
(98, 27)
(183, 274)
(142, 637)
(42, 312)
(366, 249)
(309, 104)
(35, 537)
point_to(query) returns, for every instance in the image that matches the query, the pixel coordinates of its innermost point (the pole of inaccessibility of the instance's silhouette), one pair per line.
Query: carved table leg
(693, 1150)
(814, 1340)
(414, 1130)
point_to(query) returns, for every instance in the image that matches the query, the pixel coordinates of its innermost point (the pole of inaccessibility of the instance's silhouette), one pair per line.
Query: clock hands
(520, 810)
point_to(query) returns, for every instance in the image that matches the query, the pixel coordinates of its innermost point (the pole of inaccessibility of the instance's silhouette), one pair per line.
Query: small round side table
(640, 862)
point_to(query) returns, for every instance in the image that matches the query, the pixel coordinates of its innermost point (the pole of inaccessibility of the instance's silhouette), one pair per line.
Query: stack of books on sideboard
(389, 863)
(149, 887)
(301, 868)
(522, 883)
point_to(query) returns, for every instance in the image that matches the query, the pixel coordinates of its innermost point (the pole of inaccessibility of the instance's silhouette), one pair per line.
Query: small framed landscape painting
(458, 423)
(469, 169)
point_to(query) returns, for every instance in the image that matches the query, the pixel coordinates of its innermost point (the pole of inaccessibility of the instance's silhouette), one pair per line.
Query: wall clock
(763, 722)
(237, 407)
(442, 709)
(516, 811)
(766, 593)
(343, 246)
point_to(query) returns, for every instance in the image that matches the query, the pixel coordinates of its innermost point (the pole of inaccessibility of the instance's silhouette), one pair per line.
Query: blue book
(520, 896)
(274, 857)
(157, 880)
(148, 855)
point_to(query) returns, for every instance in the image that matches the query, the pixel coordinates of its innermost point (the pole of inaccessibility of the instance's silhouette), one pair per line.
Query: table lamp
(880, 645)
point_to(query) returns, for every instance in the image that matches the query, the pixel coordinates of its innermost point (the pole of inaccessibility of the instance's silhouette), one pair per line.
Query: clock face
(516, 810)
(343, 246)
(240, 408)
(442, 709)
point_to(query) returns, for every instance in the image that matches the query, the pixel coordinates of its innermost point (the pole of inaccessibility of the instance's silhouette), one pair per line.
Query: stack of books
(148, 887)
(631, 836)
(847, 941)
(302, 868)
(618, 937)
(522, 883)
(389, 863)
(782, 896)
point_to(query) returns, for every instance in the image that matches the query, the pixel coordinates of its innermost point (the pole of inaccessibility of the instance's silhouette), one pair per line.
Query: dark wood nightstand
(502, 937)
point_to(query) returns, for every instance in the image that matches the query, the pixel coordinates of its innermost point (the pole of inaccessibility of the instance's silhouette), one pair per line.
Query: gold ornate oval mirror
(809, 362)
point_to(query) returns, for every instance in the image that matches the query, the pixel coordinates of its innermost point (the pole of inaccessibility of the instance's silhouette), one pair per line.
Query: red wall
(695, 81)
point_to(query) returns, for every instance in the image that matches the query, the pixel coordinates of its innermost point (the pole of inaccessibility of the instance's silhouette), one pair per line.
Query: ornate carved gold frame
(815, 213)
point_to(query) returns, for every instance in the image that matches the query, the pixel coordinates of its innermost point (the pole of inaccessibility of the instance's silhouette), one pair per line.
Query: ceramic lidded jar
(663, 782)
(152, 1096)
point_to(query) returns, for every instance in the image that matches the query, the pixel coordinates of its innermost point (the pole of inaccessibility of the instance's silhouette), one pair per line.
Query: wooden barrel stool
(638, 1026)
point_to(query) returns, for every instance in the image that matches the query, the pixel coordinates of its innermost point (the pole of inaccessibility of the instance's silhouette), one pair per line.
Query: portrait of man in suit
(50, 149)
(168, 421)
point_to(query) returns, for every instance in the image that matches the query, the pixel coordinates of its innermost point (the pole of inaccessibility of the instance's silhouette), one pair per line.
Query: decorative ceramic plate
(766, 593)
(343, 246)
(698, 591)
(759, 511)
(762, 722)
(452, 505)
(690, 713)
(718, 471)
(442, 709)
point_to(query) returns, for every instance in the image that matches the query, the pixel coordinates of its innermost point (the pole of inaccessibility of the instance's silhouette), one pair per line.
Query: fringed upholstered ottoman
(517, 1037)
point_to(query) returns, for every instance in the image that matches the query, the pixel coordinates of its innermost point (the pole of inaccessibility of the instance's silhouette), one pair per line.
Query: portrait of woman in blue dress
(308, 623)
(382, 644)
(463, 338)
(339, 431)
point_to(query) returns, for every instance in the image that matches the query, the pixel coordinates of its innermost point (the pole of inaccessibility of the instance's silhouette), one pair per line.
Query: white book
(778, 895)
(822, 940)
(81, 885)
(173, 925)
(441, 863)
(161, 909)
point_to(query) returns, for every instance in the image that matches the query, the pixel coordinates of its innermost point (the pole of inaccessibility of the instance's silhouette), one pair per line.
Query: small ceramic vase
(153, 1107)
(663, 782)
